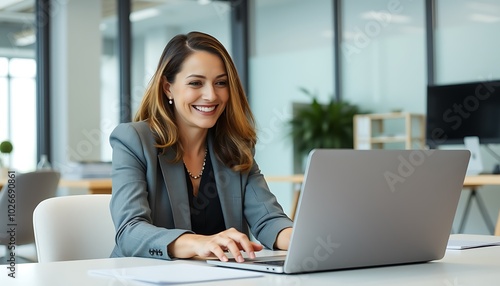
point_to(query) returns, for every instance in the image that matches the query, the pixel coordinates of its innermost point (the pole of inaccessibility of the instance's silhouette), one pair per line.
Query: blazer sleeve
(133, 173)
(264, 214)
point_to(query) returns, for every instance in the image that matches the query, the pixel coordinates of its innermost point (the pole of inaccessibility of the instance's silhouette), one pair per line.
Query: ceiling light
(385, 17)
(24, 38)
(144, 14)
(484, 18)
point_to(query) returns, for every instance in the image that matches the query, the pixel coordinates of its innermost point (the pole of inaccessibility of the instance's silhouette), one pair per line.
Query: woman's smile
(205, 109)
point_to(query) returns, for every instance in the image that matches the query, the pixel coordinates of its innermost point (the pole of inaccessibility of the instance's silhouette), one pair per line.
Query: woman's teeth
(205, 108)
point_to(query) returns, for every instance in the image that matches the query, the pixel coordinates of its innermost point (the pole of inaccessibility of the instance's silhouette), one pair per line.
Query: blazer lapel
(229, 189)
(173, 175)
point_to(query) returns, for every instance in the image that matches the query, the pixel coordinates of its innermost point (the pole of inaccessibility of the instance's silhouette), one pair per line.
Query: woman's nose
(209, 93)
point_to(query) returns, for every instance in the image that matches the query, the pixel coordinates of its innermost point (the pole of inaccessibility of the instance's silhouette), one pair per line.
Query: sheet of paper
(175, 273)
(466, 244)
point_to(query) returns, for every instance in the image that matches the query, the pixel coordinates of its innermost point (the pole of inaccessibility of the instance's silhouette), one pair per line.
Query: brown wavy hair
(234, 131)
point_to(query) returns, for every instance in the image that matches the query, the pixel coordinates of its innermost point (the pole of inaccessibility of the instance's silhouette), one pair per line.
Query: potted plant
(5, 148)
(317, 125)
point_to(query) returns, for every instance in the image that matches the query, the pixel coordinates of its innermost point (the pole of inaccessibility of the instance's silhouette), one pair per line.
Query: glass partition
(467, 41)
(18, 111)
(291, 48)
(17, 83)
(383, 55)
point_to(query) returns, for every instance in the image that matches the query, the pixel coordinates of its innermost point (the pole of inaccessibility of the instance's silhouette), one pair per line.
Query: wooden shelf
(370, 130)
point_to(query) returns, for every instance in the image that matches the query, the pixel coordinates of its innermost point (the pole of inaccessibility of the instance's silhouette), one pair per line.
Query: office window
(383, 55)
(4, 99)
(467, 41)
(291, 48)
(18, 111)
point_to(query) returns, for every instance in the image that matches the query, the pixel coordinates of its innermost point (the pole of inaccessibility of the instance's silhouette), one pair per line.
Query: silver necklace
(202, 168)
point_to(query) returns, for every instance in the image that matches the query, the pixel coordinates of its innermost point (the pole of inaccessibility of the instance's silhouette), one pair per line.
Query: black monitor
(460, 110)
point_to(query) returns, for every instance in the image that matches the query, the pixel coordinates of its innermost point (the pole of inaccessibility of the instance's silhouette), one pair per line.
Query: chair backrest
(74, 228)
(19, 197)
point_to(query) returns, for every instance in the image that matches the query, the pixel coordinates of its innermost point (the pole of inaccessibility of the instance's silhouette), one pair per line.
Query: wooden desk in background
(481, 180)
(472, 183)
(103, 186)
(95, 186)
(469, 182)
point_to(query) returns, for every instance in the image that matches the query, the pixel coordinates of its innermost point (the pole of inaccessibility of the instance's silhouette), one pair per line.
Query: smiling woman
(194, 119)
(200, 91)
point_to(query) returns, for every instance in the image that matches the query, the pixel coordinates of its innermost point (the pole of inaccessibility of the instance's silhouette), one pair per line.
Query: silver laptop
(363, 208)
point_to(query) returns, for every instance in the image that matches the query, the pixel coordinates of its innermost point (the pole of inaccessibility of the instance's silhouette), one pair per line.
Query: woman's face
(200, 91)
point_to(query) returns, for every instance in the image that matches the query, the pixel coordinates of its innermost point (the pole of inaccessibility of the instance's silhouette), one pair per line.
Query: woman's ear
(165, 86)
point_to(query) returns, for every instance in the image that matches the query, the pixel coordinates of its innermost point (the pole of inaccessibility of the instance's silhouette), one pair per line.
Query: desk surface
(478, 266)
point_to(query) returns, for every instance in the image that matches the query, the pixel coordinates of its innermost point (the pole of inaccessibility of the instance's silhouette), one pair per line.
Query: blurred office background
(378, 54)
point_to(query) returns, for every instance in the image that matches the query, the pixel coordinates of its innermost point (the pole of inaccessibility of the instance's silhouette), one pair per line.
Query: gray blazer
(150, 206)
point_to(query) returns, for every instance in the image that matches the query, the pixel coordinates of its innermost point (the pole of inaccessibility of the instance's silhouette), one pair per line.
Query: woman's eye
(221, 83)
(195, 83)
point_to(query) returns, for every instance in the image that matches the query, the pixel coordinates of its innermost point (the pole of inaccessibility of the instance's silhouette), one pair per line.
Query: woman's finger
(242, 242)
(234, 249)
(217, 251)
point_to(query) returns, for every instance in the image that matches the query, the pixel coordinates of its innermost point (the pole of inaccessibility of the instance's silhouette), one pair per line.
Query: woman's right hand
(231, 240)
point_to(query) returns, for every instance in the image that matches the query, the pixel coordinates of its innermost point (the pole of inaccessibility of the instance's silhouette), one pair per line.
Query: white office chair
(18, 199)
(74, 228)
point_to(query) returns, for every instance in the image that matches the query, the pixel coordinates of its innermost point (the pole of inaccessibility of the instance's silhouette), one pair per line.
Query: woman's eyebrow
(204, 77)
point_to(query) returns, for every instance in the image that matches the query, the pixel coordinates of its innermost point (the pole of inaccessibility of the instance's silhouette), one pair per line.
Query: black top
(206, 211)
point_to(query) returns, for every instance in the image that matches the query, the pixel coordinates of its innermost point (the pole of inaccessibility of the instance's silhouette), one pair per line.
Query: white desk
(479, 266)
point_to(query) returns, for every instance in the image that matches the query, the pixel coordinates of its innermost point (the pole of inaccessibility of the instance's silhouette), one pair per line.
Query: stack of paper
(466, 244)
(175, 273)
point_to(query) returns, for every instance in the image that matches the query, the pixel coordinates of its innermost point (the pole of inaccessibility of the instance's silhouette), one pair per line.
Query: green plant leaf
(6, 147)
(319, 125)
